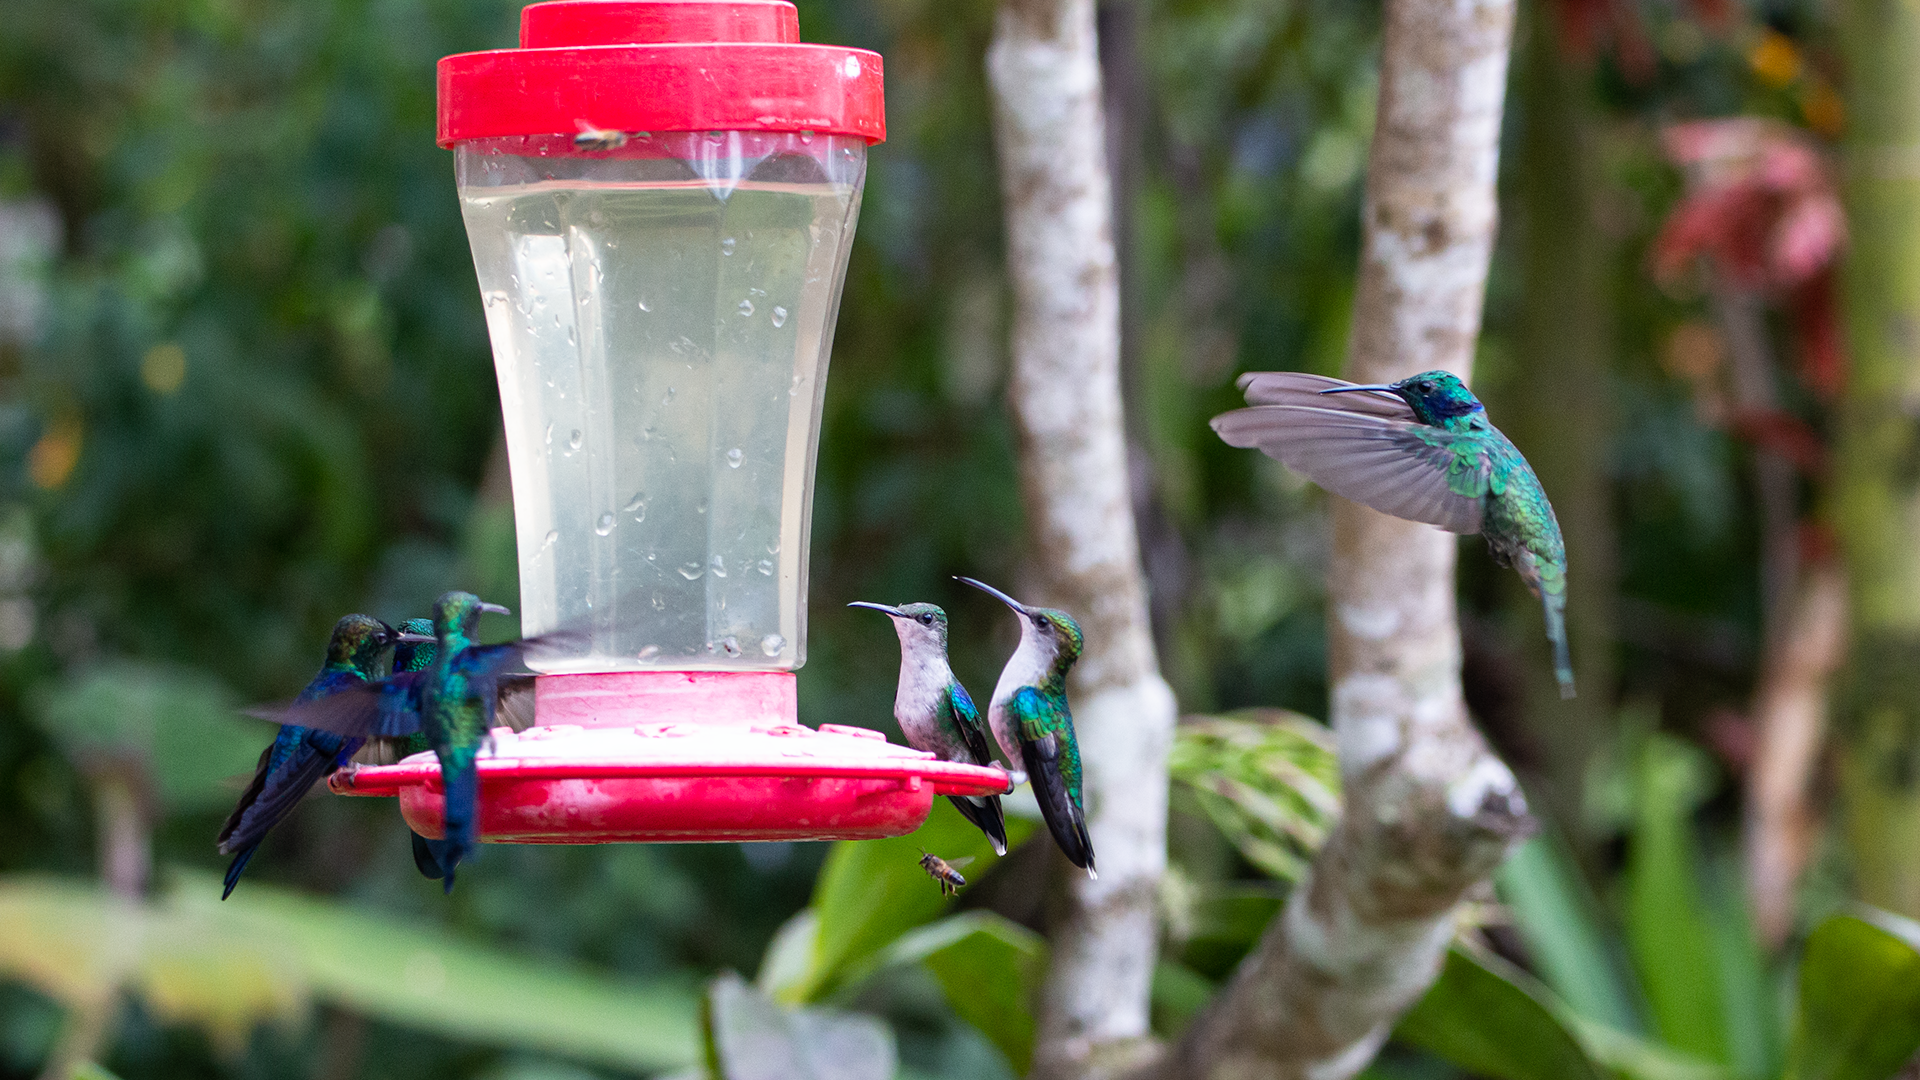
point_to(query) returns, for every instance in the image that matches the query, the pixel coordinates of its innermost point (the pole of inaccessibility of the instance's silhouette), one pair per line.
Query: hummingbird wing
(967, 719)
(1396, 466)
(1052, 760)
(388, 709)
(1300, 388)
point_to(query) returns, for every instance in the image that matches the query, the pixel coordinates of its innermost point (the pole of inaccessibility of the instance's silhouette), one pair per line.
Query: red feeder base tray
(684, 782)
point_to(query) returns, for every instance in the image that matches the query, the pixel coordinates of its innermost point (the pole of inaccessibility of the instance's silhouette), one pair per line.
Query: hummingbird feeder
(660, 196)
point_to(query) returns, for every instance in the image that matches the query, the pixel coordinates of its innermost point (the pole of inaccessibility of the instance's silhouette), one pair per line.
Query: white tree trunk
(1044, 72)
(1429, 811)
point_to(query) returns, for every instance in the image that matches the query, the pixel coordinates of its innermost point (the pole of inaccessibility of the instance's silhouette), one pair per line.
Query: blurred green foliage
(245, 388)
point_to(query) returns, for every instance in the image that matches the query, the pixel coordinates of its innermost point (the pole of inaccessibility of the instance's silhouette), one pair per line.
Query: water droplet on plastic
(793, 387)
(734, 458)
(746, 308)
(668, 399)
(644, 307)
(726, 246)
(806, 136)
(719, 566)
(772, 644)
(651, 651)
(729, 645)
(570, 338)
(574, 440)
(549, 434)
(773, 548)
(692, 571)
(659, 602)
(852, 67)
(779, 317)
(605, 524)
(700, 508)
(553, 537)
(766, 567)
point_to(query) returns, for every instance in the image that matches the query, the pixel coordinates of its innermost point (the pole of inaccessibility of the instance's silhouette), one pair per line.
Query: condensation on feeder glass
(661, 316)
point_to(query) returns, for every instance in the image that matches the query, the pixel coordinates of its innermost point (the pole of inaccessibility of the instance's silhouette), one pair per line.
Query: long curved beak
(1384, 388)
(882, 608)
(497, 609)
(996, 594)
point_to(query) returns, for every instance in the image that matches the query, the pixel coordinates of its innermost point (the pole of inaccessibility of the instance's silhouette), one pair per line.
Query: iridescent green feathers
(1420, 449)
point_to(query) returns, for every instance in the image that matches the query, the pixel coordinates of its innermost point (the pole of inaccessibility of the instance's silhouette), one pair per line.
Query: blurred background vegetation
(245, 388)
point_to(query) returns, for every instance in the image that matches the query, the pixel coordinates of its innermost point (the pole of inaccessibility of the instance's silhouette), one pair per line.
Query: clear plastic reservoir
(661, 313)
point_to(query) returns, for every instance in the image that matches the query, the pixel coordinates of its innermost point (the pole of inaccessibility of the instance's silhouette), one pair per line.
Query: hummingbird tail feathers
(428, 856)
(273, 796)
(1557, 633)
(238, 864)
(985, 813)
(1058, 805)
(462, 804)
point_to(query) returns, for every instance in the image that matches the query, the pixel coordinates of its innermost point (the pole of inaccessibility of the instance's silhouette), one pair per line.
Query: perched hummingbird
(1419, 449)
(300, 756)
(451, 701)
(1029, 717)
(934, 711)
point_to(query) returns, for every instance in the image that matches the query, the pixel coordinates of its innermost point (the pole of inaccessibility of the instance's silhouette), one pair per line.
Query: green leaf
(1267, 779)
(1668, 927)
(872, 891)
(1178, 995)
(261, 956)
(426, 978)
(1559, 922)
(1222, 924)
(1858, 1016)
(1748, 992)
(990, 969)
(1483, 1016)
(1637, 1058)
(752, 1037)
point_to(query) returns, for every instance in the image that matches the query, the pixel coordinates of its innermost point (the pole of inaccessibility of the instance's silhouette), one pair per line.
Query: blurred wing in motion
(387, 709)
(1395, 466)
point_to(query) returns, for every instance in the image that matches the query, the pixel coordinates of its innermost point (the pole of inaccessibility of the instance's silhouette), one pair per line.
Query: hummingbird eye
(926, 619)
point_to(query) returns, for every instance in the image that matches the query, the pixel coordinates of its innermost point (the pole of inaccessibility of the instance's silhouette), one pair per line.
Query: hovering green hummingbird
(451, 701)
(428, 855)
(1419, 449)
(1030, 720)
(934, 710)
(514, 708)
(300, 756)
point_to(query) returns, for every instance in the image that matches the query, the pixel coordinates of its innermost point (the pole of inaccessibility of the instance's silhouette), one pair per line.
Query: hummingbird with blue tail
(935, 712)
(1420, 449)
(452, 701)
(514, 708)
(1030, 719)
(300, 757)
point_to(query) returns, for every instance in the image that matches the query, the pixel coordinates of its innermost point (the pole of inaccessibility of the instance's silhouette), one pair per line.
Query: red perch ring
(683, 780)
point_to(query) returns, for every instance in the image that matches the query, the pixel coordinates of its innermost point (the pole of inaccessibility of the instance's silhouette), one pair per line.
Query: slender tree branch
(1044, 72)
(1429, 810)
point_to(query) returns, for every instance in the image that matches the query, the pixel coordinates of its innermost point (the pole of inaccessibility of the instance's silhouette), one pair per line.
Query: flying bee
(946, 874)
(595, 140)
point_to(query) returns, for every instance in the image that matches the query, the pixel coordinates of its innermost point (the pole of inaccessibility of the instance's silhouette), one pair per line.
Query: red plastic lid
(661, 65)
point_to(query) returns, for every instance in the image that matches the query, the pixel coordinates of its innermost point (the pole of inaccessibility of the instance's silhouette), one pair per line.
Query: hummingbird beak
(412, 639)
(497, 609)
(996, 594)
(882, 608)
(1384, 388)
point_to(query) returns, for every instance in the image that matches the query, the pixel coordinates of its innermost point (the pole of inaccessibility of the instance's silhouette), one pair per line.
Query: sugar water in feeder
(660, 196)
